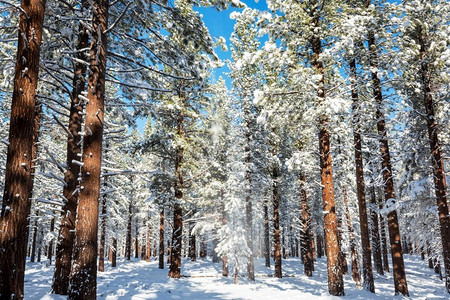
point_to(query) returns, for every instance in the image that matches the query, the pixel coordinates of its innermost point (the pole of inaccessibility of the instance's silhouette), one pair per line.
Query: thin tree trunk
(368, 283)
(375, 234)
(354, 255)
(175, 255)
(192, 246)
(129, 226)
(114, 253)
(33, 242)
(307, 256)
(437, 161)
(342, 255)
(335, 277)
(276, 224)
(136, 243)
(383, 237)
(266, 235)
(161, 240)
(20, 161)
(50, 243)
(400, 283)
(84, 267)
(66, 235)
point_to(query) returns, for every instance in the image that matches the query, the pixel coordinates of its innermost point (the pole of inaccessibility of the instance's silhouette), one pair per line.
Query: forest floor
(138, 279)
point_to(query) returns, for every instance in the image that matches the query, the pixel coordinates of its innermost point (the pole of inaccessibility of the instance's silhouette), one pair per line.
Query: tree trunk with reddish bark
(19, 162)
(437, 160)
(66, 235)
(84, 266)
(400, 283)
(335, 277)
(368, 282)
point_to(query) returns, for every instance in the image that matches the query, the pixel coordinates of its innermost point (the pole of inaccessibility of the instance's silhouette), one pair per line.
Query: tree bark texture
(335, 277)
(175, 255)
(19, 162)
(66, 235)
(129, 227)
(83, 277)
(375, 233)
(306, 251)
(384, 250)
(50, 243)
(368, 282)
(437, 161)
(400, 283)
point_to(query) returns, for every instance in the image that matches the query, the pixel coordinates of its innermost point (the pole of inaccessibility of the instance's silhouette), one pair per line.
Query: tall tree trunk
(335, 277)
(306, 251)
(368, 283)
(175, 255)
(389, 195)
(114, 252)
(248, 198)
(276, 224)
(83, 277)
(266, 235)
(354, 255)
(33, 242)
(20, 161)
(101, 255)
(129, 227)
(50, 243)
(66, 236)
(375, 234)
(437, 161)
(161, 240)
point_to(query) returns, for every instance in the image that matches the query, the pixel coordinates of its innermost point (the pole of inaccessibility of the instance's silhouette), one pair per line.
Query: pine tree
(22, 134)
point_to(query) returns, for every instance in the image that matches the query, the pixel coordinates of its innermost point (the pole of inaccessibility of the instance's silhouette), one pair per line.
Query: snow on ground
(139, 280)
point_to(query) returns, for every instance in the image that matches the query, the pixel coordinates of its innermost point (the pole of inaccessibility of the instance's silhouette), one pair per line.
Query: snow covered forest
(314, 167)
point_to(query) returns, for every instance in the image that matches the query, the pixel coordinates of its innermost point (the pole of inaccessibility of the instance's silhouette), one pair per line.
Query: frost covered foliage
(232, 235)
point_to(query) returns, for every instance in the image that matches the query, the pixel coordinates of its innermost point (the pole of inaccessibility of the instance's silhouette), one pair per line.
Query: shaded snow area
(143, 280)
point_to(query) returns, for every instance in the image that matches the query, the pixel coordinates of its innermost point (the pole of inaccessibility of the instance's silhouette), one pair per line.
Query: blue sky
(220, 24)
